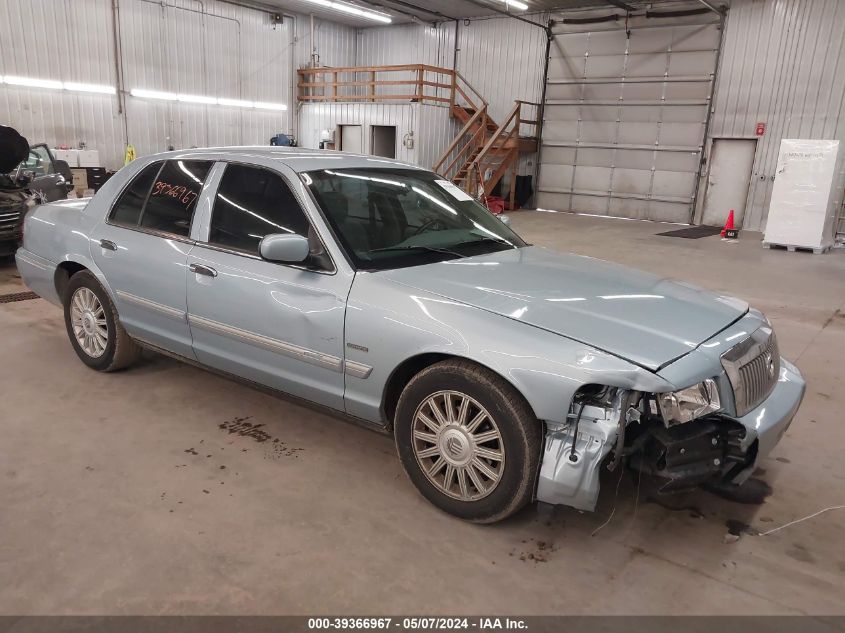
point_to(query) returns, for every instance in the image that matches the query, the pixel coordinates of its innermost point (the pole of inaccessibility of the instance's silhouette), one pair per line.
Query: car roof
(297, 158)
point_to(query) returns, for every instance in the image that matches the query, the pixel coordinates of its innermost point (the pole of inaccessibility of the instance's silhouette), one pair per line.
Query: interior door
(383, 141)
(278, 325)
(351, 139)
(142, 249)
(731, 162)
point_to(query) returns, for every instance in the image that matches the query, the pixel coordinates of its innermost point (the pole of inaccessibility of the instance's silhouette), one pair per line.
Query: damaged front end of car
(711, 433)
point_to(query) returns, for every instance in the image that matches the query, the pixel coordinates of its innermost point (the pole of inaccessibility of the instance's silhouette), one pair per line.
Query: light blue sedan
(506, 372)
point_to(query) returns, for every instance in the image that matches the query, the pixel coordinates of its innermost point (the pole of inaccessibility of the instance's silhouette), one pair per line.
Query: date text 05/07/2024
(417, 623)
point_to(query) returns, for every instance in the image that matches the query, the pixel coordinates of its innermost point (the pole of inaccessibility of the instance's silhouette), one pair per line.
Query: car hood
(646, 319)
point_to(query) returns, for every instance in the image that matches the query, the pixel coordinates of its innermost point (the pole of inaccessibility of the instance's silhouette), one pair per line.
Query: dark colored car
(38, 178)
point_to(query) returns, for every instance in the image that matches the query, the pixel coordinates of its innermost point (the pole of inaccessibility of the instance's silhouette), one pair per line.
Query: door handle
(108, 245)
(202, 270)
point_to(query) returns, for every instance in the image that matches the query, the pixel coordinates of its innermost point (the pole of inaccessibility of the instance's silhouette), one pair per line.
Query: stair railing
(497, 154)
(471, 137)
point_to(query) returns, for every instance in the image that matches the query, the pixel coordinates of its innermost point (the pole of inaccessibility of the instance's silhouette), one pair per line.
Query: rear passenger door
(142, 248)
(278, 325)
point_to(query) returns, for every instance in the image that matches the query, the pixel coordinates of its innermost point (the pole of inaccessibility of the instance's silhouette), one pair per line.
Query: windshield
(391, 218)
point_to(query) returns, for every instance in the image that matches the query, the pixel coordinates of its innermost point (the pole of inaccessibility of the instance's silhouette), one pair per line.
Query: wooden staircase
(483, 151)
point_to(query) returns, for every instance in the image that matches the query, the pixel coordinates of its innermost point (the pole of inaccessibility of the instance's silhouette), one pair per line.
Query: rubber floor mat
(693, 232)
(17, 296)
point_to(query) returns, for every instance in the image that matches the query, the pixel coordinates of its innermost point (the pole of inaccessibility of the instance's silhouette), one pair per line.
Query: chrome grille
(753, 367)
(9, 221)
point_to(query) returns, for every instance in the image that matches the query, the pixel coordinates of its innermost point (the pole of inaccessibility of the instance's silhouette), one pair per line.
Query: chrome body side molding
(358, 370)
(151, 305)
(274, 345)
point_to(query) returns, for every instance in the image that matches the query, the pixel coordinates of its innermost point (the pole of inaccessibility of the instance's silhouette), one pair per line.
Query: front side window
(389, 218)
(252, 202)
(127, 209)
(174, 195)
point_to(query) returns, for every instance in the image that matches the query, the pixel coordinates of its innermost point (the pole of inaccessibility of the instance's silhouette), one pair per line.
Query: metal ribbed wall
(203, 48)
(783, 63)
(406, 44)
(503, 59)
(335, 43)
(71, 41)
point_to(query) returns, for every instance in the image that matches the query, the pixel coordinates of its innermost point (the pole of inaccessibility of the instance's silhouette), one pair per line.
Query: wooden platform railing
(408, 82)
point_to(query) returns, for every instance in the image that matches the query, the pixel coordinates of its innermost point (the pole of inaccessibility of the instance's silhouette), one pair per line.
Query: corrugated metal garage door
(625, 117)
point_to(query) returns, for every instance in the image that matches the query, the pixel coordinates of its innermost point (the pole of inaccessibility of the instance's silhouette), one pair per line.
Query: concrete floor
(126, 494)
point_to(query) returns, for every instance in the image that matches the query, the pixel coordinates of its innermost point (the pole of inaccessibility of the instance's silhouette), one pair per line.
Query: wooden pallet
(792, 248)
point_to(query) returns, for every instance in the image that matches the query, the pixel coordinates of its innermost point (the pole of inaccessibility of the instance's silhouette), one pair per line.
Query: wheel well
(401, 376)
(409, 368)
(64, 272)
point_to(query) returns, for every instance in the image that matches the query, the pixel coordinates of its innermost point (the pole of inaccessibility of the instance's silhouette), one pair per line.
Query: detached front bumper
(766, 424)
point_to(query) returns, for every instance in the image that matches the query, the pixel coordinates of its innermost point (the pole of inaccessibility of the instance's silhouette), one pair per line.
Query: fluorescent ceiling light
(152, 94)
(516, 4)
(235, 103)
(54, 84)
(270, 106)
(195, 99)
(353, 10)
(33, 83)
(106, 90)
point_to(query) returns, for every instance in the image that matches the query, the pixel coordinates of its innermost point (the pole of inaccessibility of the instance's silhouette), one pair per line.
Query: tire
(107, 347)
(510, 431)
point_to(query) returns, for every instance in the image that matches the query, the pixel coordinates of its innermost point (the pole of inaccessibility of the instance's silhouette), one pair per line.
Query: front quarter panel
(388, 323)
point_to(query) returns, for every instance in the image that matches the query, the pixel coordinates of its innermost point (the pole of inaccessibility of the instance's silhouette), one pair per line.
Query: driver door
(275, 324)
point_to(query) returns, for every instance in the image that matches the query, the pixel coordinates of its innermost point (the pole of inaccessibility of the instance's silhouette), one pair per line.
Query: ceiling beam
(414, 7)
(382, 7)
(712, 7)
(484, 5)
(620, 5)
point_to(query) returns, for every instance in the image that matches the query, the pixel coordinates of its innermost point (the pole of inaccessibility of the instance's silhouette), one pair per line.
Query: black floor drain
(17, 296)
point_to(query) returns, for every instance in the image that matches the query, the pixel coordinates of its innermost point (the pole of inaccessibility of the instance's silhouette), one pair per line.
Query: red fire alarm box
(761, 129)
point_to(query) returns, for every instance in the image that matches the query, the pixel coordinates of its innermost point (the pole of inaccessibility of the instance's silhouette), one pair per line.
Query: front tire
(93, 327)
(468, 441)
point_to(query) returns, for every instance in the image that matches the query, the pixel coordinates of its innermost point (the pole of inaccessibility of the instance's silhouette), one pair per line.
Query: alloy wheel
(458, 445)
(88, 320)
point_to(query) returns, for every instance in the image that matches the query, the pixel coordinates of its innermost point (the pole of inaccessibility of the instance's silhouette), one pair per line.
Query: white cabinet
(89, 158)
(807, 193)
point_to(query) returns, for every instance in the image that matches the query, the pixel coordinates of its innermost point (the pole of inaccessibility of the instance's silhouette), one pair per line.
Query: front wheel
(468, 441)
(94, 330)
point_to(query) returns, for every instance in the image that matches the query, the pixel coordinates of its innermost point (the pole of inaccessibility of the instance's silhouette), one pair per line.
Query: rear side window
(251, 203)
(174, 196)
(127, 209)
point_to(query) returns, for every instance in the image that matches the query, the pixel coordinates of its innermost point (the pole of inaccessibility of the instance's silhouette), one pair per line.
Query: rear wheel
(468, 441)
(94, 330)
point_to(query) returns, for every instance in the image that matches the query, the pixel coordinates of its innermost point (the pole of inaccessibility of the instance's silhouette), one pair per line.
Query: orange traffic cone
(729, 225)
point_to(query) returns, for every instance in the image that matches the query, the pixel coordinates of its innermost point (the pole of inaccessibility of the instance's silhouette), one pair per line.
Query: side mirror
(505, 220)
(64, 169)
(287, 248)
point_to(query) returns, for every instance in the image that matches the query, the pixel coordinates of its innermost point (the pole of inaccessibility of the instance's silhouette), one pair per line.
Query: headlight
(688, 404)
